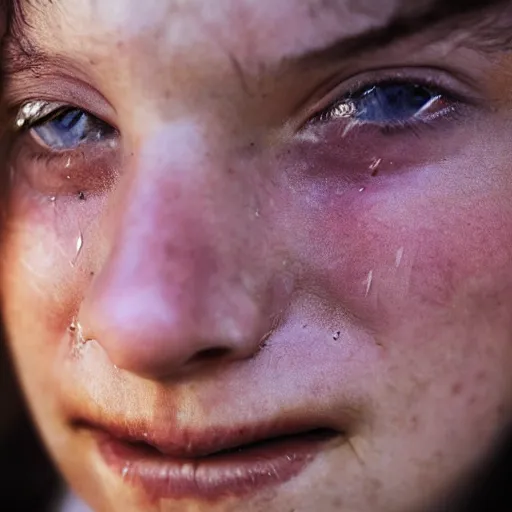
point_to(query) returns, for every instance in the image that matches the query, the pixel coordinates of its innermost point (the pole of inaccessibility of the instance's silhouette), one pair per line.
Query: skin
(236, 266)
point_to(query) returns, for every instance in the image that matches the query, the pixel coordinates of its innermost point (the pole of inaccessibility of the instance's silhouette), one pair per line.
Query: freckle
(92, 274)
(167, 94)
(481, 376)
(414, 422)
(337, 503)
(304, 326)
(457, 388)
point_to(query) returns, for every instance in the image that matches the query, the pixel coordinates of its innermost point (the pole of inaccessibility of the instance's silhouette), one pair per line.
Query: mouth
(214, 465)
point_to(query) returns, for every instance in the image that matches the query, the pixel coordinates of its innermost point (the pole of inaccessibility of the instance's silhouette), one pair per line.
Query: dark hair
(29, 480)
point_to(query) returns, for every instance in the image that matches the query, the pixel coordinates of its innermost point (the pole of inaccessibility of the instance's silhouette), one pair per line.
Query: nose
(182, 284)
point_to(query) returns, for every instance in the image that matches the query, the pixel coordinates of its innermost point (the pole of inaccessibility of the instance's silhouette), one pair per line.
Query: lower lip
(235, 473)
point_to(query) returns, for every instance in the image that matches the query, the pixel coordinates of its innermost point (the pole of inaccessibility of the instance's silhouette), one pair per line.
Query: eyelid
(58, 89)
(33, 111)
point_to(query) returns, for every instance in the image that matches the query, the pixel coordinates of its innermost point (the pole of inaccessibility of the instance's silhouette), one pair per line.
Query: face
(258, 253)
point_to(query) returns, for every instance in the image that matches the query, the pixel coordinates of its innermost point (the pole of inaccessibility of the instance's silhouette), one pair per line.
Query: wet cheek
(49, 257)
(400, 244)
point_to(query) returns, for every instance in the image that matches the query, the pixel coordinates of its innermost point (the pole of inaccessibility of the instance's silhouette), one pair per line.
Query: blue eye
(388, 105)
(70, 127)
(392, 103)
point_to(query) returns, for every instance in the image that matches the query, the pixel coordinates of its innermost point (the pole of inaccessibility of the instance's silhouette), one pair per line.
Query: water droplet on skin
(257, 213)
(68, 177)
(53, 199)
(125, 470)
(374, 167)
(72, 325)
(79, 243)
(362, 189)
(68, 164)
(336, 335)
(399, 256)
(368, 282)
(77, 338)
(79, 247)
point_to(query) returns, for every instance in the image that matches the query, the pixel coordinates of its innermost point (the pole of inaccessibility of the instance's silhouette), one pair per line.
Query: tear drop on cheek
(72, 326)
(77, 340)
(78, 247)
(125, 470)
(399, 256)
(368, 283)
(375, 165)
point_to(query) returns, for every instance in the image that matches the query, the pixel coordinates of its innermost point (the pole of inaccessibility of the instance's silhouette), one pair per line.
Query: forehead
(259, 27)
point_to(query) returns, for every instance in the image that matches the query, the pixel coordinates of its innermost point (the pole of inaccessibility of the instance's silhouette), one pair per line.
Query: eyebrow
(440, 17)
(491, 27)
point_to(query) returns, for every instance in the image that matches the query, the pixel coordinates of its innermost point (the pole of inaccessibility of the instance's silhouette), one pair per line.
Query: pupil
(68, 120)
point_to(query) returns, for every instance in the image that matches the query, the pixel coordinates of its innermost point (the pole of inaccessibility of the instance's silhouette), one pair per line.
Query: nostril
(210, 354)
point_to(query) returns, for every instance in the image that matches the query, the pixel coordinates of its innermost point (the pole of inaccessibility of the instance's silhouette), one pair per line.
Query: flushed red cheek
(401, 243)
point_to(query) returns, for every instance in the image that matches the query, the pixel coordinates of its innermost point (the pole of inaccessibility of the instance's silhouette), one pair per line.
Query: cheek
(418, 241)
(48, 259)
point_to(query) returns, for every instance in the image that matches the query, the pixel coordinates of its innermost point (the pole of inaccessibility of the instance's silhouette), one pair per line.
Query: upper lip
(186, 443)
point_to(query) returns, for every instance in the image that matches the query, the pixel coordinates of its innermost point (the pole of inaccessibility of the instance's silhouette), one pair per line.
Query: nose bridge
(178, 281)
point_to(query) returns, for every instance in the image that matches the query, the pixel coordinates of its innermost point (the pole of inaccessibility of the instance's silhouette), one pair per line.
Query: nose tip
(156, 336)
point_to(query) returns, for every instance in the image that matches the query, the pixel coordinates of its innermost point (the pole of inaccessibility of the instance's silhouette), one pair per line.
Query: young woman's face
(245, 220)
